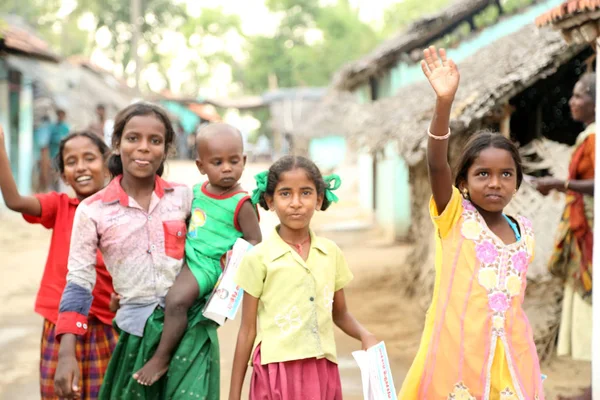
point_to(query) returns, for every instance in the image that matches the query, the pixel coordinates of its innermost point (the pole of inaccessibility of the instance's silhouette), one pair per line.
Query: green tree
(295, 61)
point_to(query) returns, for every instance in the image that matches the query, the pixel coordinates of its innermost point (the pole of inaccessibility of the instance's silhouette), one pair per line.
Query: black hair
(476, 144)
(59, 162)
(115, 165)
(588, 80)
(289, 163)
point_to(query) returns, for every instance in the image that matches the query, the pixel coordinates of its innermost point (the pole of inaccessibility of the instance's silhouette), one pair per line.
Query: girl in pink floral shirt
(138, 222)
(477, 342)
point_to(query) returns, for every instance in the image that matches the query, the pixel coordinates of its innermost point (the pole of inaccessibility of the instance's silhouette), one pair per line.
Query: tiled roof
(568, 9)
(15, 36)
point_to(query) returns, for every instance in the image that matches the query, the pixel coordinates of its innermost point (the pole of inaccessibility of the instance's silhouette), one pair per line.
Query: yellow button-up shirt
(296, 297)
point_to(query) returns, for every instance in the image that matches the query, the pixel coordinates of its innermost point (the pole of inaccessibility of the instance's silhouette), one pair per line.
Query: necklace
(298, 246)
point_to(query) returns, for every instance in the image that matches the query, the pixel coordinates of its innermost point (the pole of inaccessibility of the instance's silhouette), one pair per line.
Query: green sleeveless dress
(212, 232)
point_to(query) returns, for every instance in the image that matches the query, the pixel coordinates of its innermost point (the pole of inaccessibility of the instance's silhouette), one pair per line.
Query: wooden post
(507, 111)
(596, 262)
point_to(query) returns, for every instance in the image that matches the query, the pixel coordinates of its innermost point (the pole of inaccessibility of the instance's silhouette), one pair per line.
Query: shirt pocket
(174, 238)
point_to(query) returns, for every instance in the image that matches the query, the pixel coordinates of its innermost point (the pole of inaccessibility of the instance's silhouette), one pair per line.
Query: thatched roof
(421, 33)
(338, 113)
(489, 79)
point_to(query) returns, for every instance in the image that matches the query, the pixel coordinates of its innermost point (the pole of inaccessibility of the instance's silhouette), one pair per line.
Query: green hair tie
(261, 186)
(332, 182)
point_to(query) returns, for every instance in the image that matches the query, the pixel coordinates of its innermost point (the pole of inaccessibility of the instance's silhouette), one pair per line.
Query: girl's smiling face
(84, 167)
(491, 179)
(142, 146)
(295, 199)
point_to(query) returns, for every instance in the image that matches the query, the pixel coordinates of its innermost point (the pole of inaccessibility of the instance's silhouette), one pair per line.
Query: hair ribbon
(261, 186)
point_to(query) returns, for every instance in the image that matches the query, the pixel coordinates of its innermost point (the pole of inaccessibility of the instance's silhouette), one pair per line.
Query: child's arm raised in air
(444, 78)
(347, 323)
(243, 348)
(23, 204)
(248, 221)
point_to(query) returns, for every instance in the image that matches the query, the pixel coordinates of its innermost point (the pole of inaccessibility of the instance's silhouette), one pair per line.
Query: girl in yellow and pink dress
(477, 342)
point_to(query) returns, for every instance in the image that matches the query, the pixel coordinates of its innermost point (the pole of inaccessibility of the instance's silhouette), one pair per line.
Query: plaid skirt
(93, 353)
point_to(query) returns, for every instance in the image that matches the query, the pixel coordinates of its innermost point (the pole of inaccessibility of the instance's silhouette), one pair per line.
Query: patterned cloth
(572, 257)
(310, 379)
(477, 341)
(93, 352)
(194, 371)
(296, 297)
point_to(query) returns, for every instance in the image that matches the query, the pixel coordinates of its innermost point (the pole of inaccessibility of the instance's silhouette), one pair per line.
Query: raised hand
(441, 73)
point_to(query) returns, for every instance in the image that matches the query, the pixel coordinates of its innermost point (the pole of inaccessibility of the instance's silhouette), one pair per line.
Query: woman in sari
(572, 257)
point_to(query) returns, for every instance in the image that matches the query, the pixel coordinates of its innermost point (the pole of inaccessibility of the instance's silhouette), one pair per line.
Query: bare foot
(586, 395)
(152, 371)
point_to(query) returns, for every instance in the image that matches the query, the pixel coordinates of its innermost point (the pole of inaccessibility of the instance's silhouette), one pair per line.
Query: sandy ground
(374, 297)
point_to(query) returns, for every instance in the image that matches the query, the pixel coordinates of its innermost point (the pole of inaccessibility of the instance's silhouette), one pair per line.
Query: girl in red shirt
(81, 163)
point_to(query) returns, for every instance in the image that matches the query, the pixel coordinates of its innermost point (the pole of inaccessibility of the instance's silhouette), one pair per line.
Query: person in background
(103, 127)
(58, 131)
(41, 138)
(572, 257)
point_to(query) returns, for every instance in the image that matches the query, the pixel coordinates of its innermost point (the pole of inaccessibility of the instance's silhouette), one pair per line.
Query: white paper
(226, 297)
(375, 373)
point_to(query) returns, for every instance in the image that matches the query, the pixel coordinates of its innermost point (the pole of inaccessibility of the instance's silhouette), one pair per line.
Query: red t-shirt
(58, 211)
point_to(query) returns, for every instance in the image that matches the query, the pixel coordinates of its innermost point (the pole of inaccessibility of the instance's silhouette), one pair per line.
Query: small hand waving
(441, 73)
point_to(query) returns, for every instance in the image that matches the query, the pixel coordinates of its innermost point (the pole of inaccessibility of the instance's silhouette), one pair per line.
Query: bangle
(567, 184)
(435, 137)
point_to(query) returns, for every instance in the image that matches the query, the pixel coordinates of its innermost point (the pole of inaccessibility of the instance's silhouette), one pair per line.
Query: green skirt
(193, 372)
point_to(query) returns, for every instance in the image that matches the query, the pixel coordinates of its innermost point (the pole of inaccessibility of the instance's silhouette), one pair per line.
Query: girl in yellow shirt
(293, 284)
(477, 342)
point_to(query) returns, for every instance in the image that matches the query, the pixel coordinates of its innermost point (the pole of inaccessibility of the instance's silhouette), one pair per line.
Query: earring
(465, 194)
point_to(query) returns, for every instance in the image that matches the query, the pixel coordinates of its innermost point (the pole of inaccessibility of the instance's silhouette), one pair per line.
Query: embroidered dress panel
(477, 342)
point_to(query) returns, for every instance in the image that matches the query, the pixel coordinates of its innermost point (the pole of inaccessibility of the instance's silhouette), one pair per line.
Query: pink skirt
(308, 379)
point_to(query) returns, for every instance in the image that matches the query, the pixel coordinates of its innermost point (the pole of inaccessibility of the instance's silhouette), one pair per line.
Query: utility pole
(136, 11)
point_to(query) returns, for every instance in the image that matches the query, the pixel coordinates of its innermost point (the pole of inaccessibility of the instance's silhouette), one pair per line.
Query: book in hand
(376, 373)
(226, 297)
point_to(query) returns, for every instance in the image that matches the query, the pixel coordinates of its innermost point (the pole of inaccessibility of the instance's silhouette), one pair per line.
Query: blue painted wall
(328, 152)
(26, 156)
(393, 208)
